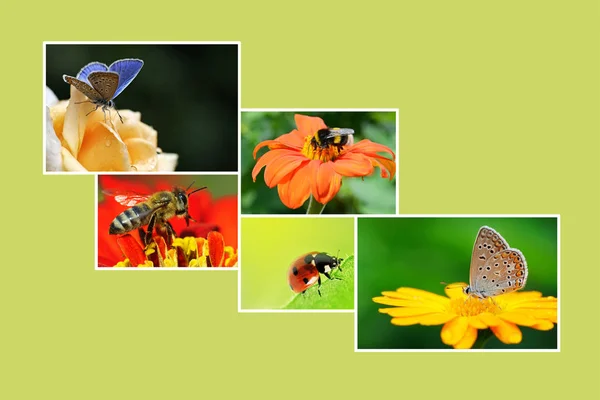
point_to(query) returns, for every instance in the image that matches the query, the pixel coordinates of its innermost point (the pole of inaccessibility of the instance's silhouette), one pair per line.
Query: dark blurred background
(422, 252)
(188, 93)
(373, 195)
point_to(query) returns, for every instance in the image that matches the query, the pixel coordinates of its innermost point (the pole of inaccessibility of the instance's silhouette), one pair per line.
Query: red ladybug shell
(304, 271)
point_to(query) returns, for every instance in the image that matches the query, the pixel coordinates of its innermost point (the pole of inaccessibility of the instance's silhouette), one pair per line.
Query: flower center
(315, 151)
(474, 306)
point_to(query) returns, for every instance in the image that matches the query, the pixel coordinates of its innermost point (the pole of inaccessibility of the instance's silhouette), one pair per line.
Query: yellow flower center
(314, 151)
(473, 306)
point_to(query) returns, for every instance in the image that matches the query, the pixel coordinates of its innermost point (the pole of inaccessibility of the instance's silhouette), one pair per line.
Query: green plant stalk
(314, 207)
(482, 339)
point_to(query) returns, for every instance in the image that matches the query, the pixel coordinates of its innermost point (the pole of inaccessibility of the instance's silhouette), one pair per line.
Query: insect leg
(150, 229)
(319, 287)
(142, 233)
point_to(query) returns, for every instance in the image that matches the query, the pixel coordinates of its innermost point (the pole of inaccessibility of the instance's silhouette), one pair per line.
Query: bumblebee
(154, 210)
(338, 137)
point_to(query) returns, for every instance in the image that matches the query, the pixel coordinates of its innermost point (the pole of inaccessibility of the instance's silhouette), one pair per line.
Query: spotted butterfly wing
(105, 83)
(84, 88)
(495, 267)
(88, 69)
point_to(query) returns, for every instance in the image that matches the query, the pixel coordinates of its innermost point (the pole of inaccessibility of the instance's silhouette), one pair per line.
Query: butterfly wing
(105, 83)
(127, 69)
(83, 87)
(91, 67)
(487, 244)
(127, 198)
(503, 272)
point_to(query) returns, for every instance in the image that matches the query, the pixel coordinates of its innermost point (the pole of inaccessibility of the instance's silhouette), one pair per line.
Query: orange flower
(299, 169)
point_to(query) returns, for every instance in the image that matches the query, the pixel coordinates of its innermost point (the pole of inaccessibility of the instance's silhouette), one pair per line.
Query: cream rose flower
(77, 140)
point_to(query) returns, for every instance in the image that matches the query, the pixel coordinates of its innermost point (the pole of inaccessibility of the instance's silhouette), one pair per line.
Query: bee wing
(333, 132)
(126, 198)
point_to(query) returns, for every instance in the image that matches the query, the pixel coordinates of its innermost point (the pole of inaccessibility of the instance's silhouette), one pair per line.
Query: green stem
(482, 339)
(314, 207)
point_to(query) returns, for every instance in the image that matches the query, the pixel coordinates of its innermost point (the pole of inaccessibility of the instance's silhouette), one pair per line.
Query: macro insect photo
(324, 162)
(141, 107)
(297, 263)
(177, 221)
(462, 283)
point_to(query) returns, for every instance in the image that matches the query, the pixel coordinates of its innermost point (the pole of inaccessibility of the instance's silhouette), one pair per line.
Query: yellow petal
(543, 325)
(167, 161)
(142, 154)
(103, 150)
(408, 303)
(466, 342)
(404, 321)
(69, 162)
(454, 330)
(455, 290)
(518, 318)
(406, 311)
(435, 318)
(132, 127)
(477, 323)
(507, 332)
(489, 319)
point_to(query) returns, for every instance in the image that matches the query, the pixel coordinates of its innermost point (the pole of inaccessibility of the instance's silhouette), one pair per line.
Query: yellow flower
(463, 315)
(78, 141)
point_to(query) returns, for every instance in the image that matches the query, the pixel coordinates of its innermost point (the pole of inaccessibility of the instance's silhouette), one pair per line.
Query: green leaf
(336, 294)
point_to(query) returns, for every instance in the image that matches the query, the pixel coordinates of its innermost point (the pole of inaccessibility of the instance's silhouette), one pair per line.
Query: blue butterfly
(102, 84)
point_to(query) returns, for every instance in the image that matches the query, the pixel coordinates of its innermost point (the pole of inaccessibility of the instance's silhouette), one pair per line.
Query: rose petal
(167, 161)
(76, 118)
(69, 163)
(53, 147)
(142, 154)
(103, 150)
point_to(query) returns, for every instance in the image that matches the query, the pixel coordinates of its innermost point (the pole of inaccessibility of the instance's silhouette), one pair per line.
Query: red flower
(209, 216)
(299, 168)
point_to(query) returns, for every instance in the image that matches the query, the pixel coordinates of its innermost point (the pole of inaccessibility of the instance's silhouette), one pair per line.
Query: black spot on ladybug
(305, 280)
(295, 271)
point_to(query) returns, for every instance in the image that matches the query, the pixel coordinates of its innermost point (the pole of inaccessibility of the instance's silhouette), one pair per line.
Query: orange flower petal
(326, 183)
(353, 165)
(454, 330)
(455, 290)
(309, 125)
(435, 318)
(507, 332)
(477, 323)
(268, 158)
(295, 189)
(103, 150)
(405, 321)
(216, 246)
(365, 146)
(467, 340)
(489, 319)
(387, 166)
(132, 249)
(294, 139)
(281, 166)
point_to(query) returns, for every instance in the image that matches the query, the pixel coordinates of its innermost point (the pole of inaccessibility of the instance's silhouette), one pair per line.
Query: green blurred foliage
(422, 252)
(373, 195)
(271, 244)
(337, 293)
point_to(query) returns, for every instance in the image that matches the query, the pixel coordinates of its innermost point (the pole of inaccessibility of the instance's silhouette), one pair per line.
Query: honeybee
(154, 210)
(338, 137)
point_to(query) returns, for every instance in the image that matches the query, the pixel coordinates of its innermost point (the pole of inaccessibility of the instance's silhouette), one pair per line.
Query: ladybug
(305, 270)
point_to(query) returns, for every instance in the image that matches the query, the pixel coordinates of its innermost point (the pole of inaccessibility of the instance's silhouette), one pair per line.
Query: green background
(498, 114)
(422, 252)
(368, 195)
(270, 246)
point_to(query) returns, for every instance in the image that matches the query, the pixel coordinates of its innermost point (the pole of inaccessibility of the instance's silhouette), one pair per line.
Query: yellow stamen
(328, 153)
(473, 306)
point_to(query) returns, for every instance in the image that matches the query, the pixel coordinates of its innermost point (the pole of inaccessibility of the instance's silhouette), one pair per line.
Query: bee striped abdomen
(131, 219)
